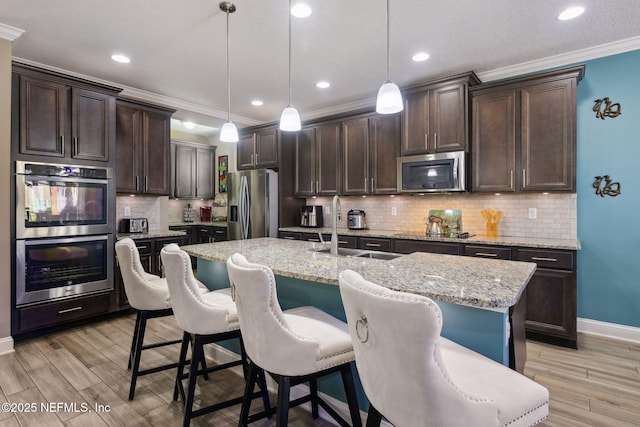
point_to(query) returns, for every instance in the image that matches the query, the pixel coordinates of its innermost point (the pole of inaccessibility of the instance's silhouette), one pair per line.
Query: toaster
(134, 225)
(356, 220)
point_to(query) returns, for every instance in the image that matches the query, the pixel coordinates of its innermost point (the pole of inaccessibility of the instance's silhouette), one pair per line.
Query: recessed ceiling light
(189, 125)
(257, 102)
(323, 85)
(300, 10)
(420, 56)
(120, 58)
(570, 13)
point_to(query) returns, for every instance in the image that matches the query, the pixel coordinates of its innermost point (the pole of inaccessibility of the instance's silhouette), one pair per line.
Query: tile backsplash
(162, 211)
(555, 213)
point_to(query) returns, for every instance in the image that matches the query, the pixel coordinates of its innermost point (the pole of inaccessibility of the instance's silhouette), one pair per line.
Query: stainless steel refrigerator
(252, 204)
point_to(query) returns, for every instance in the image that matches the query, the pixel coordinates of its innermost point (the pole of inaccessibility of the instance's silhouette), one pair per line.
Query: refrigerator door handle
(244, 207)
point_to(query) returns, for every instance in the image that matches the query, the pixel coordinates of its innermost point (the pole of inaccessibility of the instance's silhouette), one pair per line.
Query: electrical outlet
(394, 211)
(533, 213)
(127, 211)
(327, 210)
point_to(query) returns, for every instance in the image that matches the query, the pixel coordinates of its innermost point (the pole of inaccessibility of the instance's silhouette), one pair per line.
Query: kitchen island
(479, 298)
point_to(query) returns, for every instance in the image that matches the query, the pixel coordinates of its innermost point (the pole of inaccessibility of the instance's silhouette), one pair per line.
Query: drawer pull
(314, 240)
(219, 232)
(373, 245)
(487, 254)
(69, 310)
(289, 238)
(535, 258)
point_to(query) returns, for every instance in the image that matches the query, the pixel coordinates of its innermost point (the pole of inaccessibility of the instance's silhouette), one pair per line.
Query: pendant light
(290, 119)
(389, 98)
(229, 132)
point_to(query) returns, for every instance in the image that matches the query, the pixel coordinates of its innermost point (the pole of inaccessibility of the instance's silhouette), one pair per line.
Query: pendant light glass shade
(229, 132)
(290, 120)
(389, 98)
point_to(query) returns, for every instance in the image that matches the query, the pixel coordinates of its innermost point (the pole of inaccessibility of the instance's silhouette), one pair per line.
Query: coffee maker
(311, 216)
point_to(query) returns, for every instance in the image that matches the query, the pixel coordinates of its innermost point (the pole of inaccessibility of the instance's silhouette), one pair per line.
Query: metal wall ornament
(609, 188)
(609, 109)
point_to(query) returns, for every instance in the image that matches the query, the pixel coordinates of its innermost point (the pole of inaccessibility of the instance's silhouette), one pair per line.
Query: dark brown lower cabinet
(551, 297)
(375, 244)
(55, 313)
(411, 246)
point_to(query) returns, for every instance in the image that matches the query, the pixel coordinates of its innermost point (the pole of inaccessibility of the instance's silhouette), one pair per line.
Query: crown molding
(154, 98)
(186, 105)
(10, 33)
(337, 109)
(595, 52)
(587, 54)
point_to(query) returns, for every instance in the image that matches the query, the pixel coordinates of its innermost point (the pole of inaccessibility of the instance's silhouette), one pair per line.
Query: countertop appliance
(205, 213)
(356, 219)
(252, 204)
(440, 172)
(311, 216)
(134, 225)
(434, 225)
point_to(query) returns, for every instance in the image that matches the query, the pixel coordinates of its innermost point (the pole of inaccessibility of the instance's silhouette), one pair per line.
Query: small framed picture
(223, 169)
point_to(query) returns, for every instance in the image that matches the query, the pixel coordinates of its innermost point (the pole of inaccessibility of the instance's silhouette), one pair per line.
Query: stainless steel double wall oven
(64, 231)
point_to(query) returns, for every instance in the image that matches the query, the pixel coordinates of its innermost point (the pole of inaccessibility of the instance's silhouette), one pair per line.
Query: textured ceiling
(177, 48)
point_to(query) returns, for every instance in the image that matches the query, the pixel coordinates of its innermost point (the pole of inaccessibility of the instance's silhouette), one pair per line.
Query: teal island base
(485, 331)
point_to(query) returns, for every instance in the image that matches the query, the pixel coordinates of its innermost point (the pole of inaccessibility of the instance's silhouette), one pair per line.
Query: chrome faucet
(334, 231)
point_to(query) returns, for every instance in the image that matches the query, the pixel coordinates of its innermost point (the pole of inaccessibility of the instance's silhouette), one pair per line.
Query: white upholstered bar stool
(206, 317)
(149, 295)
(415, 377)
(293, 346)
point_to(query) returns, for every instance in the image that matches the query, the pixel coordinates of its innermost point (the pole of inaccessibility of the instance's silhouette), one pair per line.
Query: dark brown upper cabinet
(371, 145)
(63, 118)
(258, 149)
(317, 160)
(435, 116)
(143, 153)
(192, 170)
(524, 133)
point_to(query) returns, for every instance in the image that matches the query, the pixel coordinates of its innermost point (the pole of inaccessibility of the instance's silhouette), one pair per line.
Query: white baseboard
(610, 330)
(223, 355)
(6, 345)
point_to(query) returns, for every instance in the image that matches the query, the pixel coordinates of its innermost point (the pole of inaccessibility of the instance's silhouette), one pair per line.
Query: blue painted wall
(608, 227)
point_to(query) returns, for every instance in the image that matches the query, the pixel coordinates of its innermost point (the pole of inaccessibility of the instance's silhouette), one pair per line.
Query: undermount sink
(380, 255)
(362, 253)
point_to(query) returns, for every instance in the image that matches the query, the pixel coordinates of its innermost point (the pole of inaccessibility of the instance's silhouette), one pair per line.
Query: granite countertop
(151, 234)
(530, 242)
(485, 283)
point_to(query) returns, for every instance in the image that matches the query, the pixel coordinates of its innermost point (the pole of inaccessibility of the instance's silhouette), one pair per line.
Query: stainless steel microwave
(440, 172)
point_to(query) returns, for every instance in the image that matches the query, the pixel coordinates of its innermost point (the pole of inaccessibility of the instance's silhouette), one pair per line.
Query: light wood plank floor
(598, 385)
